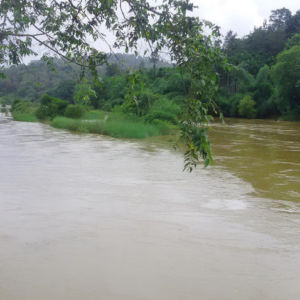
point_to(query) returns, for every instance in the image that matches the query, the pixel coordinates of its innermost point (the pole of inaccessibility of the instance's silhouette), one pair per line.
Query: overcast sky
(240, 15)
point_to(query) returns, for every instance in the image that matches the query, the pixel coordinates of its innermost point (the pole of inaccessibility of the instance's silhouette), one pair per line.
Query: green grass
(24, 117)
(116, 125)
(94, 115)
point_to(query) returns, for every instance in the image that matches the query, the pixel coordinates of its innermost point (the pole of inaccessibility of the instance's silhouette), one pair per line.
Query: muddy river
(88, 217)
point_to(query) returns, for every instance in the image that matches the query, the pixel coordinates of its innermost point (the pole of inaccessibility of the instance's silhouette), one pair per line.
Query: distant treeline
(31, 82)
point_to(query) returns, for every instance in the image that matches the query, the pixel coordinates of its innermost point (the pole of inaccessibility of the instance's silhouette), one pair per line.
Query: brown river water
(89, 217)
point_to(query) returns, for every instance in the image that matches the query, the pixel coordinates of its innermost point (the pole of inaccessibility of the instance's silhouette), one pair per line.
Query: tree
(65, 90)
(246, 108)
(65, 28)
(83, 92)
(293, 41)
(286, 76)
(293, 24)
(280, 18)
(111, 70)
(154, 59)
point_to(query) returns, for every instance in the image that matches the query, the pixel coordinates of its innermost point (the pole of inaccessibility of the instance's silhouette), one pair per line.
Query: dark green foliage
(230, 106)
(163, 116)
(75, 111)
(23, 107)
(111, 70)
(51, 107)
(14, 104)
(246, 108)
(141, 105)
(166, 105)
(286, 76)
(65, 90)
(275, 92)
(293, 41)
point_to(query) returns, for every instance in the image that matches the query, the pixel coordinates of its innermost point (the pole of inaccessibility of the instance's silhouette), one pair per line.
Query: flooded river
(91, 217)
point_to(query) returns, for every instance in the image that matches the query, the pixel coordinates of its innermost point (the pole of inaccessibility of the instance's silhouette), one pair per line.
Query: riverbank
(115, 125)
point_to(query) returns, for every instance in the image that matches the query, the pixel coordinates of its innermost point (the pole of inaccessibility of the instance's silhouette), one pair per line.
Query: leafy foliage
(163, 116)
(246, 108)
(286, 75)
(51, 107)
(75, 111)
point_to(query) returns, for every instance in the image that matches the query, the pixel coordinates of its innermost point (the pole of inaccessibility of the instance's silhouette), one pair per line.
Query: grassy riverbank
(116, 125)
(24, 117)
(123, 122)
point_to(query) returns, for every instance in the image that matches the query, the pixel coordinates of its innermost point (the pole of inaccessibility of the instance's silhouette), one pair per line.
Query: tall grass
(94, 115)
(24, 117)
(115, 126)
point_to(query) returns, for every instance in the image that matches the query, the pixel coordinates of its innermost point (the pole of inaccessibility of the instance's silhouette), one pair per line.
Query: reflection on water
(92, 217)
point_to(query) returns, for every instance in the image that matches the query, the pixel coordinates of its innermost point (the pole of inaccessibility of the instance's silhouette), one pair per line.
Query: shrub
(144, 101)
(94, 115)
(166, 105)
(179, 100)
(163, 116)
(24, 107)
(51, 107)
(4, 110)
(75, 111)
(14, 104)
(246, 108)
(234, 103)
(23, 111)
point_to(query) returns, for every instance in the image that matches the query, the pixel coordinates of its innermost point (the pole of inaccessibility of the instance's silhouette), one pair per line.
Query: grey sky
(240, 15)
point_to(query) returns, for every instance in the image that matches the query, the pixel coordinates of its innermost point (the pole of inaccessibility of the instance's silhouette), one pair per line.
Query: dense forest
(262, 82)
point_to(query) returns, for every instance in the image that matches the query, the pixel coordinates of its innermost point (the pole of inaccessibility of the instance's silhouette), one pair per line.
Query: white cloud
(240, 15)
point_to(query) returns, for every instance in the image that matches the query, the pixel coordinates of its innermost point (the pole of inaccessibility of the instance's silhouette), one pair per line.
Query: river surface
(89, 217)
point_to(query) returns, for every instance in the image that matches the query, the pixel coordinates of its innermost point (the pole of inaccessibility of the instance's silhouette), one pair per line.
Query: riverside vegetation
(125, 121)
(256, 76)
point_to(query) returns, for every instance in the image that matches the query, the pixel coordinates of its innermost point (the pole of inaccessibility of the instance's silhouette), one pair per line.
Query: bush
(75, 111)
(23, 111)
(94, 115)
(144, 101)
(24, 107)
(14, 104)
(166, 105)
(51, 107)
(163, 116)
(234, 103)
(246, 108)
(4, 110)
